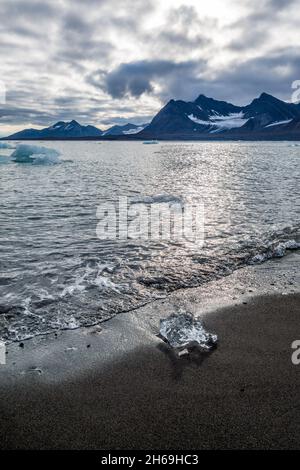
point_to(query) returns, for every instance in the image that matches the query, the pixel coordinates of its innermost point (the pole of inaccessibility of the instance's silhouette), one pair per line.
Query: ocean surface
(55, 273)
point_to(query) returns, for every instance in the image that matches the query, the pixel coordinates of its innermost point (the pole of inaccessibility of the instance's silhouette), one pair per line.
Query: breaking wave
(107, 291)
(35, 155)
(275, 250)
(90, 277)
(56, 274)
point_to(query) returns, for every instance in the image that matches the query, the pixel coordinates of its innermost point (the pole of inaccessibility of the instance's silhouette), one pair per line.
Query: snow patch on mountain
(278, 123)
(219, 122)
(134, 131)
(198, 121)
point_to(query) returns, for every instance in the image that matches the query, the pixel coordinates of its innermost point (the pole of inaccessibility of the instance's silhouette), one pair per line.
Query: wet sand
(243, 395)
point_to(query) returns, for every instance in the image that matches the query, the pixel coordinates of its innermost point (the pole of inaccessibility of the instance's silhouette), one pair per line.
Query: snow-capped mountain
(60, 130)
(266, 117)
(127, 129)
(74, 130)
(206, 116)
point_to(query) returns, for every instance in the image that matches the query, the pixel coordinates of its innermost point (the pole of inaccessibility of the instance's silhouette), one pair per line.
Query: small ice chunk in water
(183, 330)
(35, 155)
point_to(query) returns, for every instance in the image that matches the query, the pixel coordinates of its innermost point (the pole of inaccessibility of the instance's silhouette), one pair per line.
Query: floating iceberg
(35, 155)
(5, 145)
(184, 330)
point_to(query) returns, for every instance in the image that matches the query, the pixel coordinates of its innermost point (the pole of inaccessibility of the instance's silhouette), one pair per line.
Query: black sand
(243, 395)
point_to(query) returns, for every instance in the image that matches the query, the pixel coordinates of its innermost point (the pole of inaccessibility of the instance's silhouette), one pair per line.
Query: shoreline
(117, 385)
(165, 138)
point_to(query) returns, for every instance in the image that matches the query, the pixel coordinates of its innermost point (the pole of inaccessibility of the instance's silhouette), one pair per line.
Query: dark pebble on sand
(21, 345)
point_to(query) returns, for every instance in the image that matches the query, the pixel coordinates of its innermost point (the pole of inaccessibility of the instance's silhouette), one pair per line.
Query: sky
(105, 62)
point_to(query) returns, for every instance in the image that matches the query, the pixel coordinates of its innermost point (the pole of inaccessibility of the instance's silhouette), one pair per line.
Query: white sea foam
(35, 155)
(65, 323)
(276, 251)
(90, 277)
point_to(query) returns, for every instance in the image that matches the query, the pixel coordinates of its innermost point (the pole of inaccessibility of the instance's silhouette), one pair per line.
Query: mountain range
(74, 130)
(266, 117)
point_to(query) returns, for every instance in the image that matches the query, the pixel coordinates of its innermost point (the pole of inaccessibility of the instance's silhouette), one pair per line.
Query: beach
(118, 386)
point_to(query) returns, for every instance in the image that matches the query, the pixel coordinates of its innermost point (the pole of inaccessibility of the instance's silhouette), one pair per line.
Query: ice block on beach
(184, 330)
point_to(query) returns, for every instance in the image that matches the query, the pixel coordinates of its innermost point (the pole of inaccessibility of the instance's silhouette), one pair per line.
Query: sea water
(55, 271)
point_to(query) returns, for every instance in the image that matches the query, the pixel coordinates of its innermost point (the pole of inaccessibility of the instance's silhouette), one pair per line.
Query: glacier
(218, 122)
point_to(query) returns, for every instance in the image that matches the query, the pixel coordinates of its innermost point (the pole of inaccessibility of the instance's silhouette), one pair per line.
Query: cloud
(183, 32)
(264, 20)
(28, 9)
(136, 78)
(267, 73)
(245, 80)
(106, 61)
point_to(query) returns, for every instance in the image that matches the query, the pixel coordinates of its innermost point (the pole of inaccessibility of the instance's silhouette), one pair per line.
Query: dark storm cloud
(241, 81)
(246, 80)
(135, 78)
